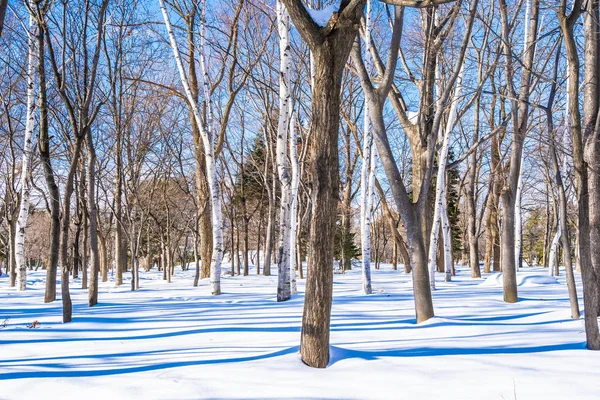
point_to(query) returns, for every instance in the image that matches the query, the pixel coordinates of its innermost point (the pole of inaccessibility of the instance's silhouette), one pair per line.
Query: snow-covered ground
(173, 341)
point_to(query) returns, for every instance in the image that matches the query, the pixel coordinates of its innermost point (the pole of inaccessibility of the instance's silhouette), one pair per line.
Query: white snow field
(173, 341)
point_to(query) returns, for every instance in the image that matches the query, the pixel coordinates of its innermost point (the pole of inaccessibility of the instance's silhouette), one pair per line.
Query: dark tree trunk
(85, 239)
(471, 200)
(93, 217)
(120, 248)
(12, 264)
(76, 251)
(3, 7)
(246, 245)
(586, 179)
(103, 257)
(330, 53)
(65, 224)
(589, 219)
(196, 256)
(269, 237)
(44, 146)
(203, 203)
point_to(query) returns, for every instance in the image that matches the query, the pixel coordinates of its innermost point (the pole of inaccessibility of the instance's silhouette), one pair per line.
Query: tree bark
(208, 135)
(93, 217)
(3, 7)
(44, 148)
(578, 132)
(26, 162)
(283, 169)
(330, 47)
(520, 115)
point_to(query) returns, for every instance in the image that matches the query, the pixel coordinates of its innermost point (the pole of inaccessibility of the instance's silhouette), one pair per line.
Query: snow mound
(493, 280)
(533, 280)
(522, 280)
(322, 17)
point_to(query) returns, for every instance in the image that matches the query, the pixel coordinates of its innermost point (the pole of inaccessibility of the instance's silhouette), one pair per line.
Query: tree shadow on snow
(123, 362)
(338, 354)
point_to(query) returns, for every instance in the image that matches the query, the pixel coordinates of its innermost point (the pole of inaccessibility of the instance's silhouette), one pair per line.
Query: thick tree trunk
(65, 225)
(44, 147)
(413, 215)
(330, 52)
(520, 115)
(314, 342)
(587, 213)
(590, 264)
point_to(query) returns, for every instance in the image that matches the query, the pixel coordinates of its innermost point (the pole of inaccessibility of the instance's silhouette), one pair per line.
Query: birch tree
(519, 218)
(39, 14)
(294, 199)
(439, 212)
(208, 139)
(367, 171)
(26, 161)
(283, 129)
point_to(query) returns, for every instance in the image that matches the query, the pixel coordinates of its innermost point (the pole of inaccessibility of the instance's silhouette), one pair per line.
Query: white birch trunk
(283, 126)
(440, 191)
(26, 163)
(367, 174)
(217, 219)
(563, 171)
(553, 249)
(294, 195)
(518, 217)
(208, 140)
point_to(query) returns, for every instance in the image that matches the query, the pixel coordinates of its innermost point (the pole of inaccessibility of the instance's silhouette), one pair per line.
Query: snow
(322, 17)
(176, 341)
(523, 279)
(413, 116)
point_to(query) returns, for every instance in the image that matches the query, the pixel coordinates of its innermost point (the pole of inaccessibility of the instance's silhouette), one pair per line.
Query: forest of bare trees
(303, 138)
